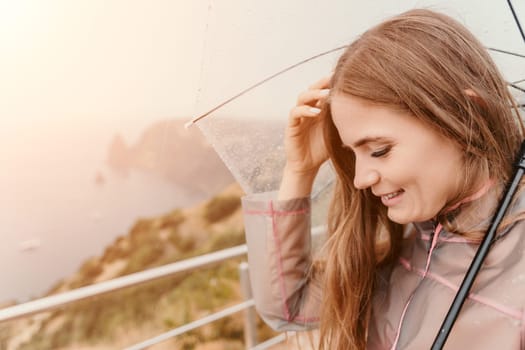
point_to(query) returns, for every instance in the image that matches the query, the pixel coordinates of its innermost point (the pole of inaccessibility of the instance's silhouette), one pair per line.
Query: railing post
(250, 318)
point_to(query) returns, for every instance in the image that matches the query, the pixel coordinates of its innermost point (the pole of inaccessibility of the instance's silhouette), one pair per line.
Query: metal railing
(203, 261)
(55, 301)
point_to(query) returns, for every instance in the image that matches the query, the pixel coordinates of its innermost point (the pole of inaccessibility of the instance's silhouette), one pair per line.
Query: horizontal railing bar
(316, 231)
(58, 300)
(193, 325)
(207, 260)
(270, 342)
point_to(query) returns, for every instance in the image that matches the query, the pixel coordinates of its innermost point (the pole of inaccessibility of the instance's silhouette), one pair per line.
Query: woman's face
(413, 169)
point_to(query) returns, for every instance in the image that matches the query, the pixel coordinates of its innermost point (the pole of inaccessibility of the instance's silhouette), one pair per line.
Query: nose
(365, 176)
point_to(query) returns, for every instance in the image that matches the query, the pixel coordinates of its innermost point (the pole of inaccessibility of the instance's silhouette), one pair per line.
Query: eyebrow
(369, 139)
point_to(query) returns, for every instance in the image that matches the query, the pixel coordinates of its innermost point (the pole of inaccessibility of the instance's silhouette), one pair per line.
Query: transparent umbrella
(273, 49)
(259, 55)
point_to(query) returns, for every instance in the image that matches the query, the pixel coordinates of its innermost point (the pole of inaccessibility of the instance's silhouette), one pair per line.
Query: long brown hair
(432, 67)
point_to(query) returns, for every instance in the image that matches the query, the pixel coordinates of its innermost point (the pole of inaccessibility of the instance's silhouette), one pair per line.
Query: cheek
(423, 192)
(405, 173)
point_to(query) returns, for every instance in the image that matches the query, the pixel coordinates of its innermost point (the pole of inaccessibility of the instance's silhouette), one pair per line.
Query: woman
(422, 132)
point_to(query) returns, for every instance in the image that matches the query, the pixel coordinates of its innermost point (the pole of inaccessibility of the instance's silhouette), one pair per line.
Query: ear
(475, 97)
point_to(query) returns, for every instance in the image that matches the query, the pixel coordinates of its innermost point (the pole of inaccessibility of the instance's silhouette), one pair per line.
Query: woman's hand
(304, 143)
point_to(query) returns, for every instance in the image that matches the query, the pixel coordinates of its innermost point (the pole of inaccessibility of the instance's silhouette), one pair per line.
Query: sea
(61, 203)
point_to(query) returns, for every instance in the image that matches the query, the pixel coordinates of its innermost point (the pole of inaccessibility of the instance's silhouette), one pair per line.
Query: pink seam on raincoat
(286, 311)
(426, 237)
(516, 314)
(433, 245)
(475, 196)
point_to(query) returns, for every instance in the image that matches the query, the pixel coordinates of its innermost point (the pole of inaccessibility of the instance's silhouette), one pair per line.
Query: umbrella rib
(516, 20)
(264, 81)
(248, 89)
(506, 52)
(516, 87)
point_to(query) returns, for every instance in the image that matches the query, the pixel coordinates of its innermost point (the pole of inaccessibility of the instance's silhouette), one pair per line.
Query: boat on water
(30, 245)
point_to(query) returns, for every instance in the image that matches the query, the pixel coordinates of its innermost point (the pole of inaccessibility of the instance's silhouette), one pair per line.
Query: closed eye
(382, 152)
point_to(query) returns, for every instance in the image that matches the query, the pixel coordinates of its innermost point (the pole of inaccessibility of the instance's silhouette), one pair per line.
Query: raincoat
(413, 297)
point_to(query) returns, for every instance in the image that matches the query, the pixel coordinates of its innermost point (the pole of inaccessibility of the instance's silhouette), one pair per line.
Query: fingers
(315, 93)
(322, 83)
(312, 96)
(304, 111)
(308, 101)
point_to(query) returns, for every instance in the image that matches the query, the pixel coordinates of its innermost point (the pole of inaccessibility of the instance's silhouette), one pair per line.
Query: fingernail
(315, 110)
(324, 92)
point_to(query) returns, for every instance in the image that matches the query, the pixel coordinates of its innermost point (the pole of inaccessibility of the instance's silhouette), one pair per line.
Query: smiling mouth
(392, 195)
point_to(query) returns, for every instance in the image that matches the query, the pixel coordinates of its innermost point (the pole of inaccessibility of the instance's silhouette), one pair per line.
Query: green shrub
(145, 255)
(184, 244)
(227, 239)
(172, 220)
(87, 273)
(221, 207)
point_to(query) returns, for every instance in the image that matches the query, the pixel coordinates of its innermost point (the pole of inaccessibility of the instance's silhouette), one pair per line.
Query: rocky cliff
(169, 150)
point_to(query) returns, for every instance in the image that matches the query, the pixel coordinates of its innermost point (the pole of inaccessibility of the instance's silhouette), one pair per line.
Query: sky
(249, 40)
(123, 60)
(106, 66)
(107, 61)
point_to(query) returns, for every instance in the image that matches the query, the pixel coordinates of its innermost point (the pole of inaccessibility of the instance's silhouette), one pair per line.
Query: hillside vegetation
(131, 315)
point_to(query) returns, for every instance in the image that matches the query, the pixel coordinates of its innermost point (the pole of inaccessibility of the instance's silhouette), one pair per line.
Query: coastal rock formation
(172, 152)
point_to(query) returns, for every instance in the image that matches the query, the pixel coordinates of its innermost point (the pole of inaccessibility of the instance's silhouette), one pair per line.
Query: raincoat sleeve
(279, 255)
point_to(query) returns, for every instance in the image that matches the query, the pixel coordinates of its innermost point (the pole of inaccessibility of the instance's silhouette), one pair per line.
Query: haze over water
(59, 191)
(72, 76)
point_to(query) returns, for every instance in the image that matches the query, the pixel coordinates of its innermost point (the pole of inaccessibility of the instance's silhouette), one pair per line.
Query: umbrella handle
(481, 253)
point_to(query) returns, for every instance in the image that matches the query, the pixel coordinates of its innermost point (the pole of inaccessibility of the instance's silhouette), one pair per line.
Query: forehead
(356, 118)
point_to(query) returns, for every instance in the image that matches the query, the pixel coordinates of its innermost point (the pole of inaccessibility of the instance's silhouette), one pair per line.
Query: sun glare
(17, 21)
(13, 14)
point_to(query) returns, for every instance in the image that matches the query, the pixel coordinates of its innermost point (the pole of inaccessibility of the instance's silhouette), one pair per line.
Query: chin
(401, 221)
(398, 218)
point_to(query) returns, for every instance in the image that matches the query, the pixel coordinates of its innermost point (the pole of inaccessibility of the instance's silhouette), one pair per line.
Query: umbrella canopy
(257, 58)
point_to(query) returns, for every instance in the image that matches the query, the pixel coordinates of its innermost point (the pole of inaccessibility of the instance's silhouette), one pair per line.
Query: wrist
(296, 184)
(305, 174)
